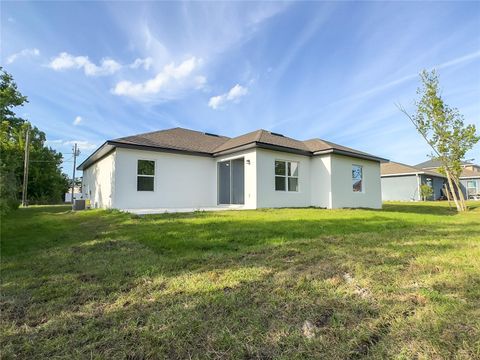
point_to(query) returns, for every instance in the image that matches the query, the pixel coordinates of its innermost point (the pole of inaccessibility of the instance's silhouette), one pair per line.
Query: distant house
(469, 179)
(77, 194)
(180, 170)
(401, 182)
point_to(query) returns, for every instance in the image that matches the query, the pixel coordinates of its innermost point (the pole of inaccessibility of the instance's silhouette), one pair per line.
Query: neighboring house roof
(466, 173)
(433, 164)
(205, 144)
(398, 169)
(469, 174)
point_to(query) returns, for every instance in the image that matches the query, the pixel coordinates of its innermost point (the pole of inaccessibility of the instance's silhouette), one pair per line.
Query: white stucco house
(180, 169)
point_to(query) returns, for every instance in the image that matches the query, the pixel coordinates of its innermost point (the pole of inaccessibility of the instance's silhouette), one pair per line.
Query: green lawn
(402, 283)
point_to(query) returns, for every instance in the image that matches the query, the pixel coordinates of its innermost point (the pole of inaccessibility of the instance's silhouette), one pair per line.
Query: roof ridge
(165, 130)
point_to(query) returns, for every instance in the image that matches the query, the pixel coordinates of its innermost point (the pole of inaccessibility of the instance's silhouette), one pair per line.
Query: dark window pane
(280, 168)
(357, 185)
(224, 182)
(280, 183)
(146, 167)
(292, 184)
(145, 183)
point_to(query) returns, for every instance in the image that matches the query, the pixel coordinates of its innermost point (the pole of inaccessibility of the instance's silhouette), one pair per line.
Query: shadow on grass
(222, 286)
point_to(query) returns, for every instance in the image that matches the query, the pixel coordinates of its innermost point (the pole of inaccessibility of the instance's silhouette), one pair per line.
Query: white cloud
(234, 94)
(23, 53)
(77, 120)
(83, 145)
(145, 63)
(167, 84)
(66, 61)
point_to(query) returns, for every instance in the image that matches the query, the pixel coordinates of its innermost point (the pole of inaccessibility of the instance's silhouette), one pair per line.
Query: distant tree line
(46, 182)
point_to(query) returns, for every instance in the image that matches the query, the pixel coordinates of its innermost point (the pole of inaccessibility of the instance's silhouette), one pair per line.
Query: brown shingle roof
(316, 145)
(395, 168)
(176, 139)
(196, 141)
(469, 173)
(262, 137)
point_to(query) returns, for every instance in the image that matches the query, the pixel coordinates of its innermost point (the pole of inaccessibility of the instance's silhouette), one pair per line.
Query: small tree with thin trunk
(426, 191)
(444, 131)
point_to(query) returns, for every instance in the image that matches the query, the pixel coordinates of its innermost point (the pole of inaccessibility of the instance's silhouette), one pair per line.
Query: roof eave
(350, 154)
(257, 144)
(158, 149)
(101, 151)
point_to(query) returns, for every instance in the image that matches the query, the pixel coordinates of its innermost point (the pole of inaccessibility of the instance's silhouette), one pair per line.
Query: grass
(400, 283)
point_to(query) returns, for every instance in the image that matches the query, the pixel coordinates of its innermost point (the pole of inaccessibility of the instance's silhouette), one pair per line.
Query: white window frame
(286, 176)
(476, 187)
(362, 191)
(141, 175)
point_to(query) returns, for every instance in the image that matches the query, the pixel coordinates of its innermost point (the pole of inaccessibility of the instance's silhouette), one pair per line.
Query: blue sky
(100, 70)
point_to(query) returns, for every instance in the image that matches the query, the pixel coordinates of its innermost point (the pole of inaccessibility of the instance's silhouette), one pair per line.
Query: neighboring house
(77, 194)
(469, 178)
(402, 182)
(179, 169)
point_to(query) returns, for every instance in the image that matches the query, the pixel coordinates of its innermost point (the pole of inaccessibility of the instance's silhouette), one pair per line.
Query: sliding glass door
(231, 182)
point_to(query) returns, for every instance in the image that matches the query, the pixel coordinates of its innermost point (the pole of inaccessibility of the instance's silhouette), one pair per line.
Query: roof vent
(276, 134)
(210, 134)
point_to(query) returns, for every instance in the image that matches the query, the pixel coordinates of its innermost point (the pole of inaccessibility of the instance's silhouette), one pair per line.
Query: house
(180, 169)
(469, 178)
(402, 182)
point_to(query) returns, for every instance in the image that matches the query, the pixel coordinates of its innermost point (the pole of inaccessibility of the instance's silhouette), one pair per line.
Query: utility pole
(76, 152)
(25, 167)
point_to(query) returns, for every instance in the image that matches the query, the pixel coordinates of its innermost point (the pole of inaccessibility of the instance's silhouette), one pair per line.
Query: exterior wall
(266, 195)
(98, 183)
(463, 185)
(321, 181)
(181, 181)
(250, 158)
(437, 183)
(342, 192)
(187, 181)
(400, 188)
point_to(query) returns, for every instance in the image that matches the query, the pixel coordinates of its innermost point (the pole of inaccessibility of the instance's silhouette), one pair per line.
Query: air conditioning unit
(79, 204)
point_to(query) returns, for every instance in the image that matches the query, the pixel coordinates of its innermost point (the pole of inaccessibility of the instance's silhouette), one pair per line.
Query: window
(145, 175)
(472, 188)
(357, 178)
(286, 175)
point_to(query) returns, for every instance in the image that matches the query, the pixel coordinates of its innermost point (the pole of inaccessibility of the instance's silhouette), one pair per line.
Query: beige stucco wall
(267, 196)
(342, 192)
(181, 181)
(98, 182)
(188, 181)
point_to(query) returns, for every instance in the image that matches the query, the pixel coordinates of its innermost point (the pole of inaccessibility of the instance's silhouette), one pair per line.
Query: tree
(47, 184)
(444, 130)
(426, 191)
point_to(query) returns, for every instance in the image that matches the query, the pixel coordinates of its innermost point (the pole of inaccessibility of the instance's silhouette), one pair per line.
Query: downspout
(418, 187)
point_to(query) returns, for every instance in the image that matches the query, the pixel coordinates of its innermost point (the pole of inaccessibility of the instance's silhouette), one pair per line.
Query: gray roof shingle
(185, 140)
